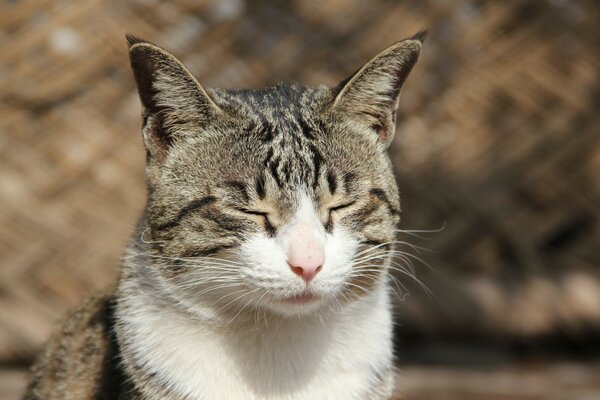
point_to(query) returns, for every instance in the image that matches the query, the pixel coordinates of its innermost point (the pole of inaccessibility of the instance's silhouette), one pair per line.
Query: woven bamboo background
(498, 140)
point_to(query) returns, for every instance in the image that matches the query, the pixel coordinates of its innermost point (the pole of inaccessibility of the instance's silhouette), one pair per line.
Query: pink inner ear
(381, 131)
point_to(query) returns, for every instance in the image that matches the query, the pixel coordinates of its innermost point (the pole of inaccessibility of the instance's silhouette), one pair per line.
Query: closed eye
(254, 212)
(265, 215)
(341, 206)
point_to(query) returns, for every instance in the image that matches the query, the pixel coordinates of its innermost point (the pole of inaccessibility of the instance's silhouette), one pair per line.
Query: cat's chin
(300, 304)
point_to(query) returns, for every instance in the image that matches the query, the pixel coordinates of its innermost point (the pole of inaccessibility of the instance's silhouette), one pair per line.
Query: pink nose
(306, 267)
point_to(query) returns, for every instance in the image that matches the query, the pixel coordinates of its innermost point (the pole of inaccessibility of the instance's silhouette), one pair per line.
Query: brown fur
(81, 360)
(214, 156)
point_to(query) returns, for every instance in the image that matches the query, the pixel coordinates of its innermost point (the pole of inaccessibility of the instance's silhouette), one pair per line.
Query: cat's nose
(305, 258)
(306, 267)
(305, 251)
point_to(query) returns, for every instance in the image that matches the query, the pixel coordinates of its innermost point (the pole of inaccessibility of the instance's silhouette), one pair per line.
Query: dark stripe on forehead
(269, 155)
(260, 187)
(331, 182)
(349, 181)
(266, 132)
(322, 128)
(240, 187)
(317, 163)
(287, 171)
(273, 168)
(380, 194)
(185, 211)
(306, 130)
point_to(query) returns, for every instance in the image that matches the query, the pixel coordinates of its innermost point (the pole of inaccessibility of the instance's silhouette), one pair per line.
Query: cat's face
(282, 199)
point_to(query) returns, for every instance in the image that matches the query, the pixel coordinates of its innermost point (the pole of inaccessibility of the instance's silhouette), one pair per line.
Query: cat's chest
(299, 361)
(332, 376)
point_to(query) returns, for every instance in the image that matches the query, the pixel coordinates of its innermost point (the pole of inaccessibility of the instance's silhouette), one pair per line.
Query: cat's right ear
(370, 96)
(174, 104)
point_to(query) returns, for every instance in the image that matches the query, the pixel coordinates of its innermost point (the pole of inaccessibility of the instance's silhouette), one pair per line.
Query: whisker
(188, 259)
(234, 300)
(415, 232)
(380, 256)
(199, 282)
(259, 308)
(149, 241)
(401, 269)
(358, 286)
(243, 308)
(381, 245)
(192, 264)
(399, 288)
(396, 253)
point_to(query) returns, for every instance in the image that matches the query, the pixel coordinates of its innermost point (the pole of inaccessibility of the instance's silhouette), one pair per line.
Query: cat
(259, 269)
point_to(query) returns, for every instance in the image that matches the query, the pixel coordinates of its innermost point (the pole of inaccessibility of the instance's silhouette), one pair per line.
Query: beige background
(498, 142)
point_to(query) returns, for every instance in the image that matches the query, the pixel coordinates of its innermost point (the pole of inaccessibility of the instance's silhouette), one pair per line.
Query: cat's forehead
(276, 104)
(282, 132)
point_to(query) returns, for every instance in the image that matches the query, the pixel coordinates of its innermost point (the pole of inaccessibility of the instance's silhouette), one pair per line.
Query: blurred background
(497, 156)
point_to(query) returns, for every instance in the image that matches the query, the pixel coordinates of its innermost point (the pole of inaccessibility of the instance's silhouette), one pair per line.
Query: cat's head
(282, 198)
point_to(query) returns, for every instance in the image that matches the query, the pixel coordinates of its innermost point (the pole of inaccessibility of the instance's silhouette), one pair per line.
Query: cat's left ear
(371, 94)
(174, 104)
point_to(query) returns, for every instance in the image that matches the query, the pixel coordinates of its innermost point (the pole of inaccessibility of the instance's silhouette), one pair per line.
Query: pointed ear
(371, 94)
(173, 102)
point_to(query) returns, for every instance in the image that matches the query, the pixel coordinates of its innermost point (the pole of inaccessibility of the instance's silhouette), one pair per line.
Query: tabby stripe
(331, 182)
(380, 194)
(349, 181)
(227, 222)
(318, 162)
(185, 211)
(260, 187)
(209, 251)
(273, 168)
(361, 215)
(240, 187)
(269, 156)
(322, 126)
(266, 131)
(287, 171)
(297, 139)
(329, 224)
(306, 130)
(373, 242)
(271, 230)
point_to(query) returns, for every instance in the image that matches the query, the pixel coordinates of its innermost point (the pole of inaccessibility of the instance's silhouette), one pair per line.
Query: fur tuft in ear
(173, 102)
(420, 36)
(371, 94)
(133, 39)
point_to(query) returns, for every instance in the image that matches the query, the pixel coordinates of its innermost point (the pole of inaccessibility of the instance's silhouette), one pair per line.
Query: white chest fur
(292, 359)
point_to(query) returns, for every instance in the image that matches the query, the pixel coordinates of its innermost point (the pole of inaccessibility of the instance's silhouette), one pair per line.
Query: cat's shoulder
(80, 359)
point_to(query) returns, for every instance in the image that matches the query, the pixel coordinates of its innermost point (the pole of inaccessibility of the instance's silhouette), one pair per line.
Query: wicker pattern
(497, 138)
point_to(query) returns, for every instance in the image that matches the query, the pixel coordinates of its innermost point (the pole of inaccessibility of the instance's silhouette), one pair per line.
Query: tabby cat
(260, 267)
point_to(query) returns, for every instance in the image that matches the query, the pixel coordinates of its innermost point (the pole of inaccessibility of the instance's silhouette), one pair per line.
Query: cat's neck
(178, 347)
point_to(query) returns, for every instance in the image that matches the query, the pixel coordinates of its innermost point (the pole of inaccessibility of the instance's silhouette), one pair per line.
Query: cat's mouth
(306, 297)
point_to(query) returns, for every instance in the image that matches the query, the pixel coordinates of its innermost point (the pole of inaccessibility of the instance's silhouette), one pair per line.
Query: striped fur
(198, 311)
